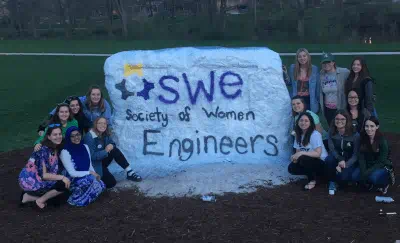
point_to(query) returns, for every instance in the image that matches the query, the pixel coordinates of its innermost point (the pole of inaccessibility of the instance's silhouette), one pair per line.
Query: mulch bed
(281, 214)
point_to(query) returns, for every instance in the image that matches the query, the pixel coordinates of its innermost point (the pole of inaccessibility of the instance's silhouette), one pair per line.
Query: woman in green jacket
(375, 168)
(64, 117)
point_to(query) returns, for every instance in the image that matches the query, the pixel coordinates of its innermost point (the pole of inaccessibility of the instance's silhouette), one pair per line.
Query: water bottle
(208, 198)
(384, 199)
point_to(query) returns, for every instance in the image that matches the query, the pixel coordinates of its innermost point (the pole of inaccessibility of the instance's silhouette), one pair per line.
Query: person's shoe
(132, 176)
(383, 190)
(332, 188)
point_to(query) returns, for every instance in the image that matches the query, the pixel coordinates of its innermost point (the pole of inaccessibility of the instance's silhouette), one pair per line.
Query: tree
(120, 6)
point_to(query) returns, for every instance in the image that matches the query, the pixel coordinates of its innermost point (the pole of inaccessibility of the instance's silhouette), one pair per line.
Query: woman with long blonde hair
(305, 79)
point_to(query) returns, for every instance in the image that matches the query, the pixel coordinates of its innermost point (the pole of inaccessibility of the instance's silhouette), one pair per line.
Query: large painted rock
(184, 107)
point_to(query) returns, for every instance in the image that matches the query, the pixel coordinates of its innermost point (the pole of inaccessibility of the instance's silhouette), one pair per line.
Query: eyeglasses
(54, 125)
(352, 98)
(70, 98)
(340, 119)
(62, 104)
(77, 135)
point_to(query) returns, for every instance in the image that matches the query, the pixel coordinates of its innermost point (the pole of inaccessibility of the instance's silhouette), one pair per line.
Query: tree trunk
(123, 15)
(33, 18)
(255, 13)
(300, 19)
(109, 6)
(211, 10)
(65, 17)
(222, 9)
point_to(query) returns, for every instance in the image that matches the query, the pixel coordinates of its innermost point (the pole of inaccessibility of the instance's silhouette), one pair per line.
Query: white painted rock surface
(187, 107)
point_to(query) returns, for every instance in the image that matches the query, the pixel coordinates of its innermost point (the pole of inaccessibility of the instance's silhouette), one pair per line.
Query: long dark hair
(56, 119)
(89, 103)
(364, 74)
(299, 132)
(298, 97)
(46, 142)
(68, 101)
(365, 144)
(348, 129)
(359, 102)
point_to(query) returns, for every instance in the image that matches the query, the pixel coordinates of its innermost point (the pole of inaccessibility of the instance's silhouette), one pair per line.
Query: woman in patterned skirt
(86, 185)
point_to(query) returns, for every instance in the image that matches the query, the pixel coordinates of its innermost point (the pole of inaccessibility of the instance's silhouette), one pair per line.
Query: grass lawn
(33, 85)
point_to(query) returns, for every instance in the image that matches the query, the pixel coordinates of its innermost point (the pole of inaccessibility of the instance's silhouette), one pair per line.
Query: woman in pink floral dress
(41, 178)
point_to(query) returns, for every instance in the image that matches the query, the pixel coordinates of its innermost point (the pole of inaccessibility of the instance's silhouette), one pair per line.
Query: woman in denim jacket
(305, 79)
(103, 151)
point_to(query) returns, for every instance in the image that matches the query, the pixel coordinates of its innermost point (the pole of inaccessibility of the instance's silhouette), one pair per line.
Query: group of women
(353, 149)
(72, 153)
(75, 148)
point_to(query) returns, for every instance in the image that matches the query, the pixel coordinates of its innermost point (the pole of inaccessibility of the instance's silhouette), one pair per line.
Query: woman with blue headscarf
(86, 185)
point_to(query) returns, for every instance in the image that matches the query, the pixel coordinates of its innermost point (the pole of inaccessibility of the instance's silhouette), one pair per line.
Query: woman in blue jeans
(343, 145)
(375, 168)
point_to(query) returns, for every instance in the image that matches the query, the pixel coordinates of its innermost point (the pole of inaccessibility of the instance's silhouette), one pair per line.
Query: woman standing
(343, 150)
(358, 114)
(333, 79)
(305, 79)
(41, 179)
(376, 169)
(64, 118)
(103, 151)
(360, 80)
(310, 151)
(86, 185)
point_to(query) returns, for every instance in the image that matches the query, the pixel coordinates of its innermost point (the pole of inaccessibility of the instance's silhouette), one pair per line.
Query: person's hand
(66, 181)
(295, 157)
(339, 169)
(95, 175)
(37, 147)
(109, 148)
(342, 164)
(41, 133)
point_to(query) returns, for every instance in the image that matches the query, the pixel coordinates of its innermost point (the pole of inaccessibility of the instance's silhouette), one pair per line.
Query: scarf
(78, 152)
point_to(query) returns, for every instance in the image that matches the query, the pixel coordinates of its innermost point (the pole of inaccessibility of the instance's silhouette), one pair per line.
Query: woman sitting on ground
(310, 151)
(299, 106)
(305, 79)
(344, 144)
(358, 114)
(103, 151)
(375, 167)
(64, 118)
(41, 178)
(86, 185)
(76, 107)
(360, 80)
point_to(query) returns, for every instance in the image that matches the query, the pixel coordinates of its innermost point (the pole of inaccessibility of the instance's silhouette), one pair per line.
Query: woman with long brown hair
(343, 150)
(305, 79)
(361, 80)
(375, 167)
(310, 151)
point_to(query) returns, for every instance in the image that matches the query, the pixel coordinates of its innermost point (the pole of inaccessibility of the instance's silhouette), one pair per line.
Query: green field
(32, 85)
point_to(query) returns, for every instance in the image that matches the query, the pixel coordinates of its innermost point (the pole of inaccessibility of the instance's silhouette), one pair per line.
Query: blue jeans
(379, 177)
(333, 175)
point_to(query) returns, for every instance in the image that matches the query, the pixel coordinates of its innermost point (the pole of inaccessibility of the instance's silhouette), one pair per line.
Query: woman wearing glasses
(77, 111)
(63, 118)
(103, 151)
(331, 95)
(358, 114)
(343, 145)
(41, 179)
(86, 185)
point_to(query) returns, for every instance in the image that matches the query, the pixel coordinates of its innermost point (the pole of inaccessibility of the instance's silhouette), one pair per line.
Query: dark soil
(281, 214)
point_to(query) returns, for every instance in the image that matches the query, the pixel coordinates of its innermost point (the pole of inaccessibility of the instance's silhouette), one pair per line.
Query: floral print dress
(30, 179)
